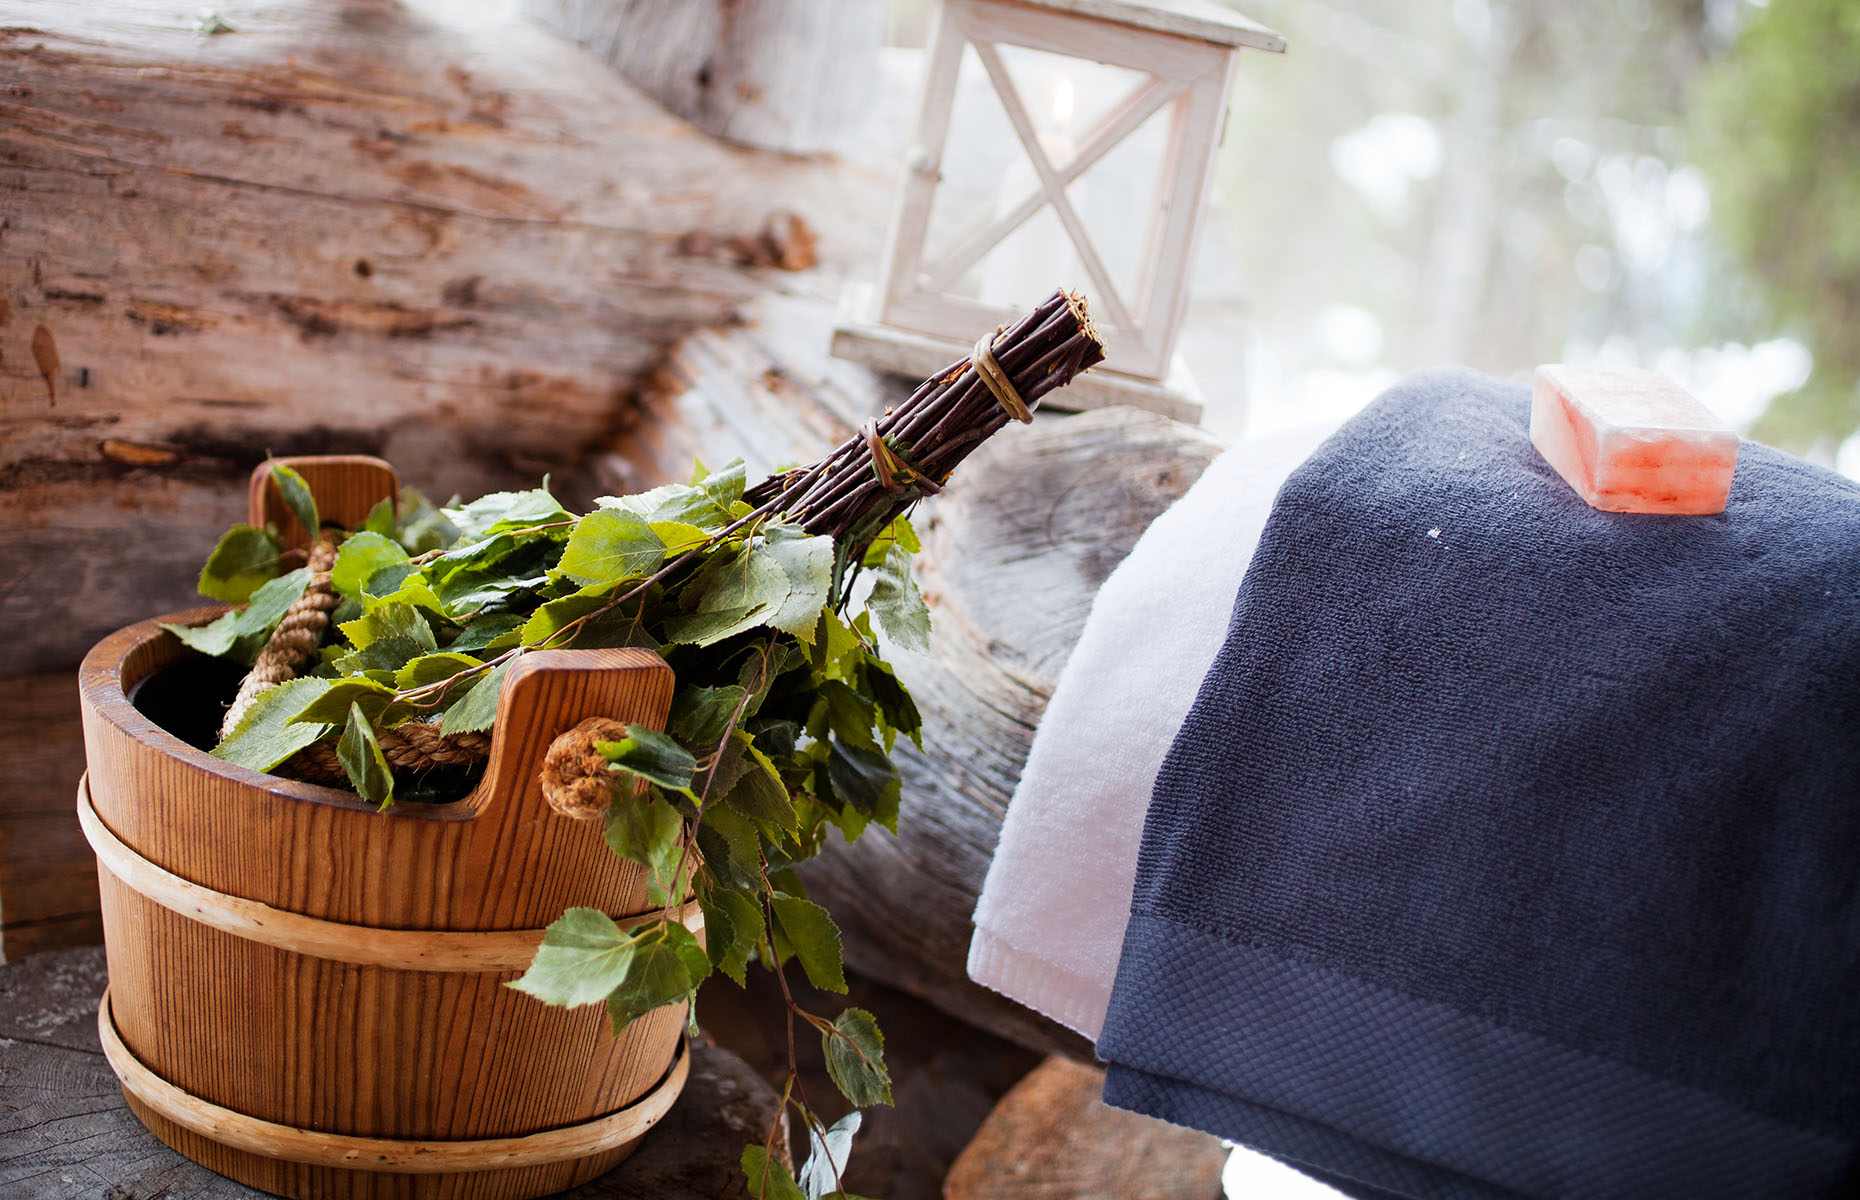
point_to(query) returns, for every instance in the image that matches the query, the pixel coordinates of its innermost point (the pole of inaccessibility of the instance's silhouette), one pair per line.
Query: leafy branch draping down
(784, 712)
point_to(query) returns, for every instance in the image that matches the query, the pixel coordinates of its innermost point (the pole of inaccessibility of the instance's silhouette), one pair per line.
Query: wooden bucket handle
(548, 692)
(346, 487)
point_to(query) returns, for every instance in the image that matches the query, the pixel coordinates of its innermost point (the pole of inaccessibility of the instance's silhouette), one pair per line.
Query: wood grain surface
(346, 487)
(66, 1133)
(342, 1047)
(1052, 1138)
(422, 229)
(48, 879)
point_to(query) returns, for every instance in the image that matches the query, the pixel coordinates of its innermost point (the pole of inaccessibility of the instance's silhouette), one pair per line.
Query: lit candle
(1038, 256)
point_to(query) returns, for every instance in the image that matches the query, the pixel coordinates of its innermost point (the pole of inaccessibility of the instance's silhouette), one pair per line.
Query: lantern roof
(1204, 20)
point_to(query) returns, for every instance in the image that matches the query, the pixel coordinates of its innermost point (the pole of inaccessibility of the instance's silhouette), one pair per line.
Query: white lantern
(1058, 143)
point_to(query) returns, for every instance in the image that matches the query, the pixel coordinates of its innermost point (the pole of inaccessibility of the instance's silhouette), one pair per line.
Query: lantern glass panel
(987, 178)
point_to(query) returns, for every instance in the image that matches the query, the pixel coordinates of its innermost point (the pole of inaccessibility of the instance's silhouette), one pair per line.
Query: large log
(408, 228)
(1014, 551)
(403, 227)
(791, 75)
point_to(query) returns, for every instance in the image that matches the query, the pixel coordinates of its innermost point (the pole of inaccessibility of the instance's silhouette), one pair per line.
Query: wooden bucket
(307, 994)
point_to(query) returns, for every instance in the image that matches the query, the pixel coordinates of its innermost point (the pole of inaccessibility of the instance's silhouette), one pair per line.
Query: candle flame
(1062, 102)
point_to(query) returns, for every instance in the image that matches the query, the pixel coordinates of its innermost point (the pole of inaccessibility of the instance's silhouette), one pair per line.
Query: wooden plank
(1200, 19)
(65, 1129)
(48, 879)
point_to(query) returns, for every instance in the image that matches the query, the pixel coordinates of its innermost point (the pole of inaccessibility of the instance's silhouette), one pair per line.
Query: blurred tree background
(1779, 134)
(1671, 183)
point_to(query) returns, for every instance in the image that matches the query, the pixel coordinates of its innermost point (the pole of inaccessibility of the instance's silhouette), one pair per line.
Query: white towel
(1051, 916)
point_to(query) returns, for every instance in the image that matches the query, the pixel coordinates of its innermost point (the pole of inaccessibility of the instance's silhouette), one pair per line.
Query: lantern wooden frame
(1186, 49)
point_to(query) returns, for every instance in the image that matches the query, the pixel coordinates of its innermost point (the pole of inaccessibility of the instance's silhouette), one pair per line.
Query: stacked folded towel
(1512, 847)
(1051, 916)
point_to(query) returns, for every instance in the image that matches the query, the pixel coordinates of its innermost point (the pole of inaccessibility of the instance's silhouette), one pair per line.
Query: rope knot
(575, 778)
(894, 468)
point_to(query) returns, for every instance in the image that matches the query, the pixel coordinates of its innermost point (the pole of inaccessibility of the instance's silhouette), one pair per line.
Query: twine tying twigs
(945, 418)
(983, 357)
(889, 463)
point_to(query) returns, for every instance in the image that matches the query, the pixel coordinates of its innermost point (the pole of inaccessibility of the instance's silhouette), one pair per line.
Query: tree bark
(402, 228)
(791, 75)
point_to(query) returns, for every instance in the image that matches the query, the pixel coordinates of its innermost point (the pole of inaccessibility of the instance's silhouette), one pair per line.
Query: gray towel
(1512, 847)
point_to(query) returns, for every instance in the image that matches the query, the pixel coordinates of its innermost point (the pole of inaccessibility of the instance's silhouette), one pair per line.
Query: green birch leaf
(381, 518)
(668, 964)
(675, 503)
(477, 709)
(361, 757)
(356, 693)
(583, 957)
(216, 637)
(515, 510)
(709, 628)
(850, 715)
(815, 938)
(265, 736)
(645, 829)
(808, 563)
(899, 534)
(867, 780)
(733, 928)
(297, 497)
(855, 1051)
(897, 603)
(743, 577)
(497, 631)
(700, 715)
(412, 590)
(431, 668)
(892, 697)
(652, 756)
(837, 650)
(738, 589)
(421, 526)
(555, 616)
(608, 547)
(724, 487)
(361, 555)
(731, 847)
(470, 577)
(678, 536)
(389, 654)
(243, 561)
(397, 620)
(271, 601)
(768, 1178)
(758, 793)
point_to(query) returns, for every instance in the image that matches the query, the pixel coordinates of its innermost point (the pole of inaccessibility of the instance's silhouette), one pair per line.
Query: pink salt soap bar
(1630, 440)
